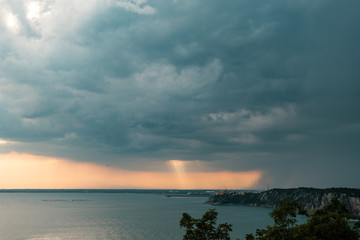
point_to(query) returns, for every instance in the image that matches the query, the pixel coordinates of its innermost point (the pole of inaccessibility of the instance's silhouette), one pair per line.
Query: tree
(327, 223)
(330, 223)
(204, 228)
(285, 227)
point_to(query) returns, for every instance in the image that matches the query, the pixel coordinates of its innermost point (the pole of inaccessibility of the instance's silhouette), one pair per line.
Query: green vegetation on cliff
(311, 198)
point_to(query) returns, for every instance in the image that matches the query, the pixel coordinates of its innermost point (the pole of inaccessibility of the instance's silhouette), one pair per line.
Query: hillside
(311, 198)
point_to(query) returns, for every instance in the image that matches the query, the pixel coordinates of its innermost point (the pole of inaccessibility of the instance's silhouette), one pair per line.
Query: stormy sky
(271, 86)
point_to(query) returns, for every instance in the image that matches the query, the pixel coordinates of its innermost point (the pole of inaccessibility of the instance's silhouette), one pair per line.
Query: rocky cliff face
(311, 198)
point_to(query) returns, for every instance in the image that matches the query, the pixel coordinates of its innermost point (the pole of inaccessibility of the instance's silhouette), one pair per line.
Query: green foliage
(286, 212)
(204, 228)
(328, 223)
(249, 237)
(285, 226)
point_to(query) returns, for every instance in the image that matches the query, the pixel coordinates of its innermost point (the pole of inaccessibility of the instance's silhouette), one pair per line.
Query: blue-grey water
(119, 216)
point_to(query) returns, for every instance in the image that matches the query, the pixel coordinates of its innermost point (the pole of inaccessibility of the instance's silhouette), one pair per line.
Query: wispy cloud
(137, 6)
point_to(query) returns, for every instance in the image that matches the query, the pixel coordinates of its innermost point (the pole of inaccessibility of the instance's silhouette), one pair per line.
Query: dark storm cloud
(269, 85)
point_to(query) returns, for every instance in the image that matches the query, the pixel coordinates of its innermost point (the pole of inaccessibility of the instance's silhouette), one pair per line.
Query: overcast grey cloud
(244, 85)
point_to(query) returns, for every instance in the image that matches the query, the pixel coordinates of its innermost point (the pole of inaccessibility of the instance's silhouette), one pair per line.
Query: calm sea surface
(118, 216)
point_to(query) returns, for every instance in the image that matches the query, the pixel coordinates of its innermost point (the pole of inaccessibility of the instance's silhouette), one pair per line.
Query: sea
(118, 216)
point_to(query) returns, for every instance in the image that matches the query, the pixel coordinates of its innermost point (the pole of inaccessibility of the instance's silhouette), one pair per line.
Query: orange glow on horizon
(25, 171)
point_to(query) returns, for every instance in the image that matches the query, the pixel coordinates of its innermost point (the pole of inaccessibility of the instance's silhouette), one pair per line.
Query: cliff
(311, 198)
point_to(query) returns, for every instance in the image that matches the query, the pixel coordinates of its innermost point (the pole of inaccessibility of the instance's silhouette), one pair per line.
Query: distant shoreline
(311, 198)
(144, 191)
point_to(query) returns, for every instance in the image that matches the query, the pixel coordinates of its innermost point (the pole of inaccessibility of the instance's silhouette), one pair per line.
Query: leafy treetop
(204, 228)
(328, 223)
